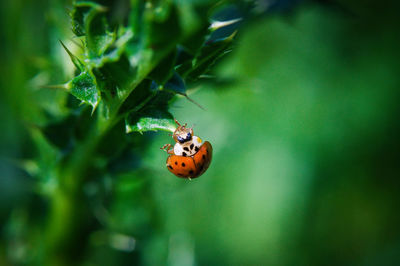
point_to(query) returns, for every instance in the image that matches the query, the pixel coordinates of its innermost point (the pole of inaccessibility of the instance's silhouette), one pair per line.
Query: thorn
(94, 108)
(193, 101)
(215, 25)
(77, 63)
(56, 86)
(230, 37)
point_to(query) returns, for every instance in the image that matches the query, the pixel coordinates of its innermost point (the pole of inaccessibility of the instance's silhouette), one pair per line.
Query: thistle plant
(131, 60)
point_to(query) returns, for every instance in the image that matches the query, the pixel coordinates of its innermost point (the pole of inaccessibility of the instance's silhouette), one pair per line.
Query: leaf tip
(215, 25)
(94, 106)
(65, 86)
(192, 101)
(77, 63)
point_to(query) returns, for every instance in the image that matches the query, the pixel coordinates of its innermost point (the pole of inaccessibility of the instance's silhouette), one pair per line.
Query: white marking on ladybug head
(188, 148)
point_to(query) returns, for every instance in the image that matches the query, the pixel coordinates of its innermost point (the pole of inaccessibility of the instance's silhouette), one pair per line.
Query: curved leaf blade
(150, 120)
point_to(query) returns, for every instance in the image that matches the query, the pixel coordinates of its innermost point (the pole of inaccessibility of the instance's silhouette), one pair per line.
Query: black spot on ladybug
(196, 149)
(176, 163)
(191, 146)
(204, 157)
(170, 167)
(183, 164)
(201, 167)
(183, 153)
(186, 149)
(191, 172)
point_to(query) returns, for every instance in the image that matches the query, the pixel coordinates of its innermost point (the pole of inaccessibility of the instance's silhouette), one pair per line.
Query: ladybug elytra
(190, 157)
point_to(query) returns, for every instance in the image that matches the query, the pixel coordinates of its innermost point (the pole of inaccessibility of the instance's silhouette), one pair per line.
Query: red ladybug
(190, 157)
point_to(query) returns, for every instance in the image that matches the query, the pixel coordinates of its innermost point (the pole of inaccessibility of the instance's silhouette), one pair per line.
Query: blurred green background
(303, 116)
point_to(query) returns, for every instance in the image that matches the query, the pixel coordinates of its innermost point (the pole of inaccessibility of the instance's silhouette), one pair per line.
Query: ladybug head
(182, 133)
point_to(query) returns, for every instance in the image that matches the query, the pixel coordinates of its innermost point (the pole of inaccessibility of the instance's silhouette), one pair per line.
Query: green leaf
(77, 15)
(153, 115)
(98, 38)
(156, 31)
(89, 20)
(150, 119)
(115, 76)
(161, 25)
(84, 88)
(195, 26)
(165, 69)
(81, 15)
(205, 58)
(141, 94)
(176, 85)
(114, 48)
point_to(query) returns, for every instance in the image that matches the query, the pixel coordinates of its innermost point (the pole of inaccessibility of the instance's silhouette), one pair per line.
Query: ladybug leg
(167, 148)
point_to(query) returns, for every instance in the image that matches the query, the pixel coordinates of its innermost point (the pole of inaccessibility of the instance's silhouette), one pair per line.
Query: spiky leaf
(84, 88)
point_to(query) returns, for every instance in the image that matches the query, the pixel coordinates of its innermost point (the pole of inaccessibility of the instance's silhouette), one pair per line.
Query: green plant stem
(70, 217)
(69, 214)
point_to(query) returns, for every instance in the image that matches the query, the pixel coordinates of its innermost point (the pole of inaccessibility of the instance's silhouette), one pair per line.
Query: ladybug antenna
(176, 121)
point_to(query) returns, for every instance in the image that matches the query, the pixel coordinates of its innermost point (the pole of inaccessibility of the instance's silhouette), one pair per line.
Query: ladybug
(190, 157)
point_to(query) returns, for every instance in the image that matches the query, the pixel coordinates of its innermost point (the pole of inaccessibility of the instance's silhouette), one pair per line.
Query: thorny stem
(69, 213)
(70, 217)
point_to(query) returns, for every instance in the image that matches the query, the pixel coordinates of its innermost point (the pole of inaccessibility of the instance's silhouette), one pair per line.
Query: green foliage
(206, 56)
(116, 61)
(302, 117)
(126, 75)
(84, 88)
(151, 119)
